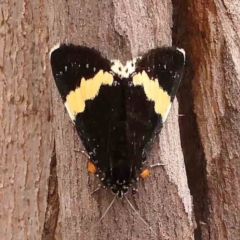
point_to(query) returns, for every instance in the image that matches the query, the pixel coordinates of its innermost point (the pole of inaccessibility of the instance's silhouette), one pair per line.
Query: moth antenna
(106, 211)
(133, 208)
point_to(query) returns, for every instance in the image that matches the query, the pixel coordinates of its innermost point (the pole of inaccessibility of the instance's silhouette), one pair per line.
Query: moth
(118, 109)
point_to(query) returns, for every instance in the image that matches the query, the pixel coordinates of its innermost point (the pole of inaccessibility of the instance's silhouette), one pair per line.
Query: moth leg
(157, 165)
(83, 152)
(98, 188)
(146, 172)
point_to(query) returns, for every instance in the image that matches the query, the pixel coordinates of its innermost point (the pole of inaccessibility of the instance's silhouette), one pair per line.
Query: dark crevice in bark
(190, 139)
(51, 215)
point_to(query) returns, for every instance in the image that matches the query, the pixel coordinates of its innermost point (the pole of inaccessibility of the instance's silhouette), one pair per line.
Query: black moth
(118, 110)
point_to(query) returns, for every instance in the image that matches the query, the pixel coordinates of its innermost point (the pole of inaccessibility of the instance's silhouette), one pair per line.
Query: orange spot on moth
(145, 173)
(91, 167)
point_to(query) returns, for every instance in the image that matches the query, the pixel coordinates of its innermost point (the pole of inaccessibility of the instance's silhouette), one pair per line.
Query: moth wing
(91, 95)
(150, 95)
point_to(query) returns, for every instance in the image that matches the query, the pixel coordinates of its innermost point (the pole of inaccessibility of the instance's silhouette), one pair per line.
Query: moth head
(119, 190)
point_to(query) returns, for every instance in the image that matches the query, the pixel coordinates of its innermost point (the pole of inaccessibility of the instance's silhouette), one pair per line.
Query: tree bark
(39, 162)
(122, 30)
(210, 31)
(26, 135)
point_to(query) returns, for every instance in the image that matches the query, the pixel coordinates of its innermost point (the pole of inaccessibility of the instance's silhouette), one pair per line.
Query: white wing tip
(182, 51)
(56, 46)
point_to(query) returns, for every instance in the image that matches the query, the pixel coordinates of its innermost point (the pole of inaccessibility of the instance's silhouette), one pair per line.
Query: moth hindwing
(118, 109)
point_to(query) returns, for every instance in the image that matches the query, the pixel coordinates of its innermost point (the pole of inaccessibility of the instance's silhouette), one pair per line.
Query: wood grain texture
(26, 138)
(213, 46)
(123, 30)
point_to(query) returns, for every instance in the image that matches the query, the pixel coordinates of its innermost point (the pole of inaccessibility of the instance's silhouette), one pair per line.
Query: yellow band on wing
(154, 92)
(88, 89)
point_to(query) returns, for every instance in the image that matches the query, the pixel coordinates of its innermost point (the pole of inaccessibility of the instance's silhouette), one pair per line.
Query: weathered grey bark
(210, 32)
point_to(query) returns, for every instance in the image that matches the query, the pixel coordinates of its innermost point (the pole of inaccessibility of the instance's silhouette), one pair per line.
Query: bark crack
(193, 153)
(52, 210)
